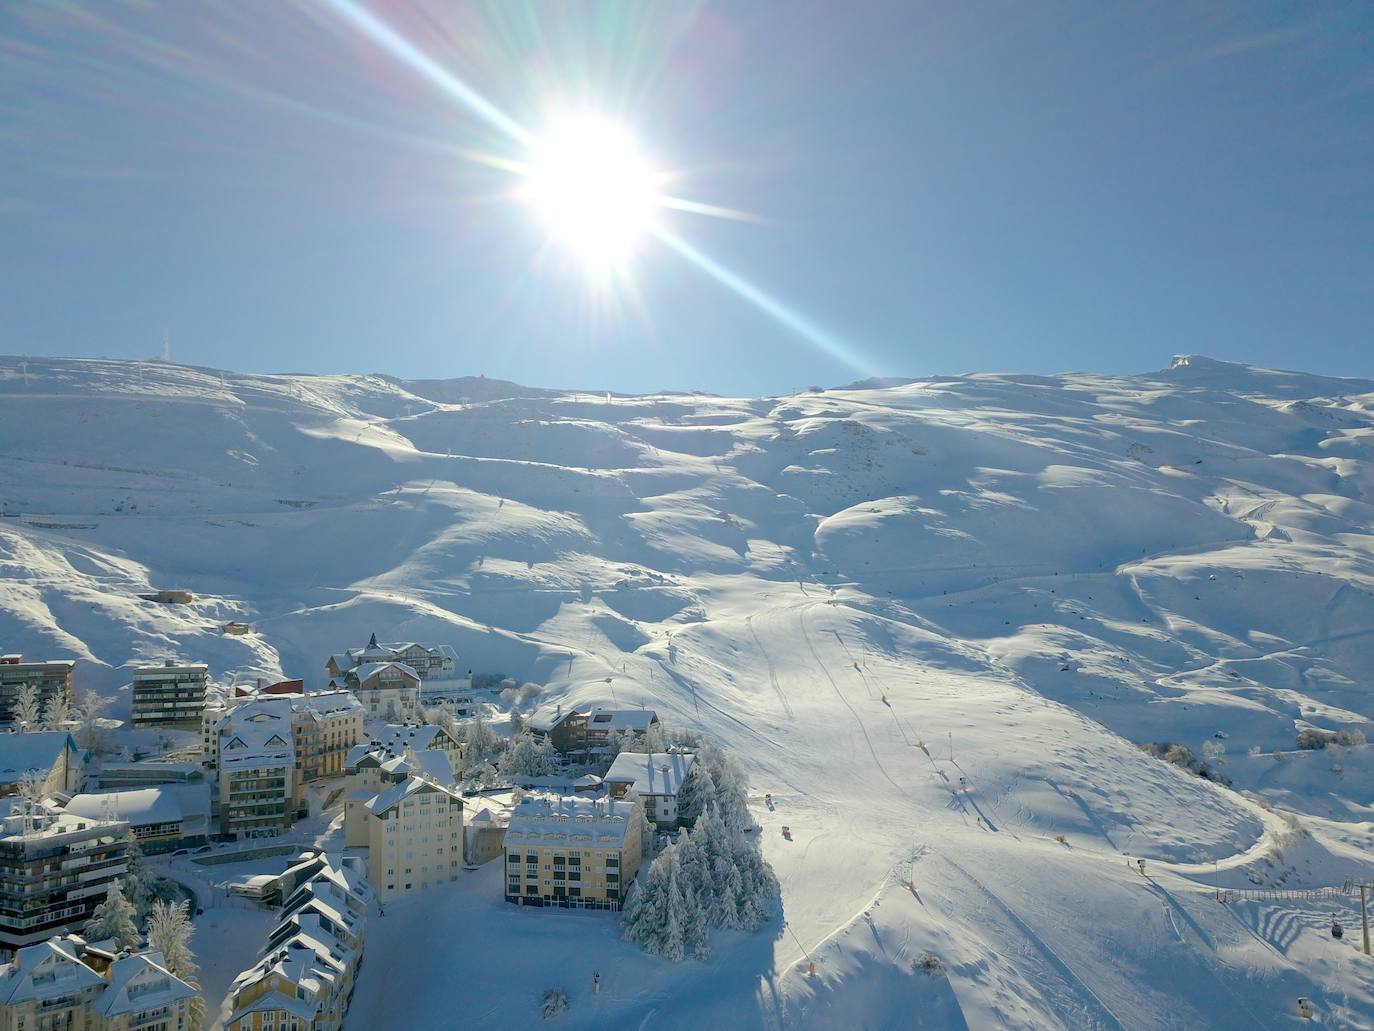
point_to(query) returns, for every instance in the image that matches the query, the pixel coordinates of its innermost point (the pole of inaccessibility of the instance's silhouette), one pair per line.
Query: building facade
(51, 678)
(387, 690)
(54, 870)
(571, 852)
(170, 695)
(163, 818)
(430, 662)
(415, 837)
(326, 726)
(657, 778)
(306, 975)
(66, 983)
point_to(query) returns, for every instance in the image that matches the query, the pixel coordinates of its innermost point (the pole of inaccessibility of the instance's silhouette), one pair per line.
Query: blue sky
(937, 188)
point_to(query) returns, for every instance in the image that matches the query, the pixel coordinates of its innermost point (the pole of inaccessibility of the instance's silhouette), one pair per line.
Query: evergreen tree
(114, 918)
(646, 829)
(528, 756)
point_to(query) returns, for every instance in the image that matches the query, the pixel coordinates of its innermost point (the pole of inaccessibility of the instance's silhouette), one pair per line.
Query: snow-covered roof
(329, 703)
(396, 736)
(621, 720)
(397, 793)
(55, 966)
(370, 669)
(150, 767)
(141, 982)
(187, 804)
(654, 773)
(25, 753)
(547, 717)
(570, 821)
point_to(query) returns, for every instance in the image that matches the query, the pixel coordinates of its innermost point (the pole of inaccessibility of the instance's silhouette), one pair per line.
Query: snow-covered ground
(933, 619)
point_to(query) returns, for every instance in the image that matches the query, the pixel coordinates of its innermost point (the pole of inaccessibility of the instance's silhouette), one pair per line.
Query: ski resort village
(983, 702)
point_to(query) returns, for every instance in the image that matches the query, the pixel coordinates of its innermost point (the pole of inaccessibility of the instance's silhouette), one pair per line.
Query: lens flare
(593, 188)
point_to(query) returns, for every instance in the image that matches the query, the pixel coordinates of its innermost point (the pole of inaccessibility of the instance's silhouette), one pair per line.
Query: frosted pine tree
(114, 918)
(646, 829)
(169, 932)
(528, 756)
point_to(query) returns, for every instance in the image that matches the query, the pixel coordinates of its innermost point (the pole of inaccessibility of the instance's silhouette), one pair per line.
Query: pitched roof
(25, 753)
(369, 669)
(141, 982)
(657, 773)
(56, 956)
(398, 793)
(638, 720)
(548, 717)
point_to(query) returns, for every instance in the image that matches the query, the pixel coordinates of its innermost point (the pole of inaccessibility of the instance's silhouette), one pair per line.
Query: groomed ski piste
(933, 619)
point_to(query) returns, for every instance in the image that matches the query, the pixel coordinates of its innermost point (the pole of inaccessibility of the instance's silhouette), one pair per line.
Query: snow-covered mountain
(935, 619)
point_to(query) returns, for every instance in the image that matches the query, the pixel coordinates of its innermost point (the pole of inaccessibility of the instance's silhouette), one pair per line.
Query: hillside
(934, 618)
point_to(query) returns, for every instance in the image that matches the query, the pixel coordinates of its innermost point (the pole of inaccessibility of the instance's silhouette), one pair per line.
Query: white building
(656, 777)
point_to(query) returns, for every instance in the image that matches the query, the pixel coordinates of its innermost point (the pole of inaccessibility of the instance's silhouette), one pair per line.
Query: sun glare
(593, 188)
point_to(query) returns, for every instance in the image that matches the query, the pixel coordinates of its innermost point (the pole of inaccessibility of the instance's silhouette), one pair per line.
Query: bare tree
(27, 708)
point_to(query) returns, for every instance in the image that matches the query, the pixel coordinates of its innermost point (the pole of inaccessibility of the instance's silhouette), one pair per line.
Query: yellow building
(572, 852)
(415, 837)
(66, 983)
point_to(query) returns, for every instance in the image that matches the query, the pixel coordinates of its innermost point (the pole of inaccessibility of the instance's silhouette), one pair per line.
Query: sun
(592, 187)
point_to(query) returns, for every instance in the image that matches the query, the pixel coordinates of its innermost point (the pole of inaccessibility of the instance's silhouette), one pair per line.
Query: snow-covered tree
(169, 932)
(528, 756)
(479, 743)
(27, 708)
(32, 785)
(90, 710)
(114, 918)
(57, 710)
(646, 829)
(710, 877)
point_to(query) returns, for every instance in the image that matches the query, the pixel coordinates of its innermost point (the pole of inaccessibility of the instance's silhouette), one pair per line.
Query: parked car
(204, 848)
(181, 852)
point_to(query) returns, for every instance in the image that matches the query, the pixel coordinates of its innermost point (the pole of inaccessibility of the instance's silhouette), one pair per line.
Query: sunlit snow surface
(1036, 573)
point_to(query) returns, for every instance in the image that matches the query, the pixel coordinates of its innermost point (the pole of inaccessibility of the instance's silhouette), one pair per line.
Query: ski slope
(934, 619)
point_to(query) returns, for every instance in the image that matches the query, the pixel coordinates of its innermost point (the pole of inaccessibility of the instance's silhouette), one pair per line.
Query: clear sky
(289, 185)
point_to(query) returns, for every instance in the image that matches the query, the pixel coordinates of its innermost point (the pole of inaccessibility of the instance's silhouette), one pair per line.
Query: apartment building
(571, 852)
(305, 977)
(563, 725)
(657, 778)
(54, 870)
(170, 695)
(51, 678)
(415, 837)
(327, 726)
(387, 690)
(419, 738)
(52, 755)
(372, 769)
(67, 983)
(258, 787)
